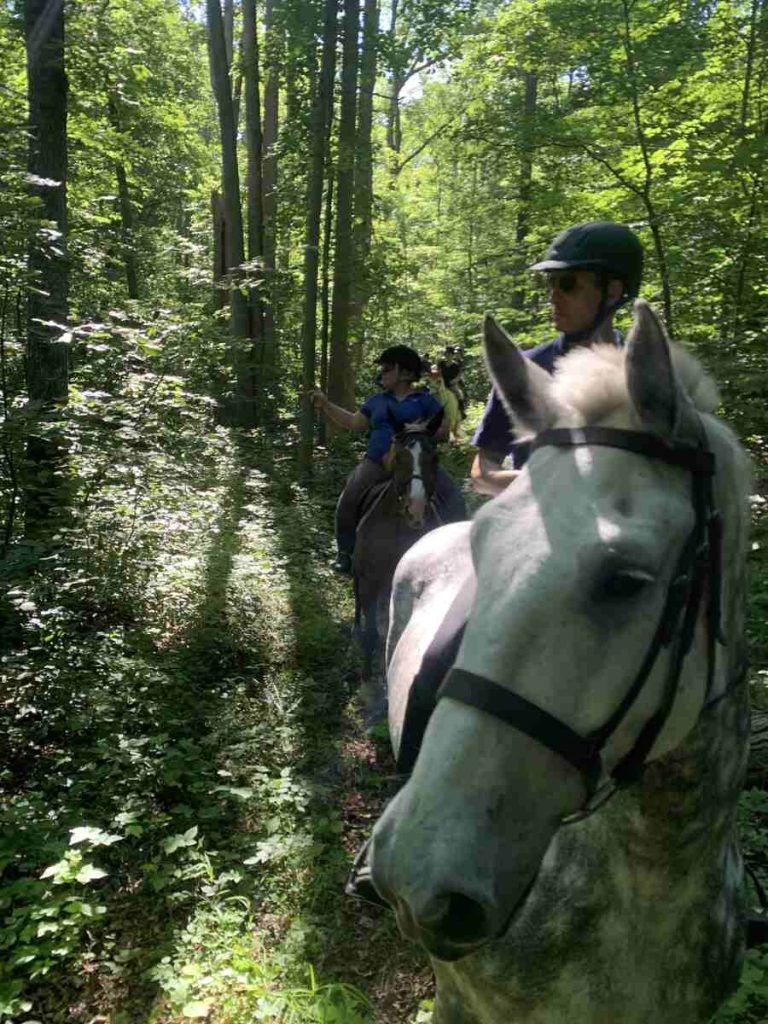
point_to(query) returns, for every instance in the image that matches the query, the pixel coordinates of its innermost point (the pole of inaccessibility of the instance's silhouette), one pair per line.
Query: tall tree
(127, 215)
(242, 406)
(254, 150)
(320, 121)
(340, 382)
(47, 361)
(273, 49)
(523, 219)
(363, 180)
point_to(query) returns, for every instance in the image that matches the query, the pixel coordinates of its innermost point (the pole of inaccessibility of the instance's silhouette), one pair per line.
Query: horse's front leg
(372, 689)
(369, 636)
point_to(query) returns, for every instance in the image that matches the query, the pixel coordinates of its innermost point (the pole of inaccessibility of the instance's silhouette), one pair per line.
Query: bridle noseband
(698, 569)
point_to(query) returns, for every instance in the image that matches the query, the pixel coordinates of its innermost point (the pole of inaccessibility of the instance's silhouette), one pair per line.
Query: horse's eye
(621, 584)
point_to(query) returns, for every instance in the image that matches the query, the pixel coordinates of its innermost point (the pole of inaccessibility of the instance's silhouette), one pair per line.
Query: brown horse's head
(413, 461)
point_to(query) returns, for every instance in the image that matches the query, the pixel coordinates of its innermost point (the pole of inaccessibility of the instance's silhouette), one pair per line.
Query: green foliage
(173, 661)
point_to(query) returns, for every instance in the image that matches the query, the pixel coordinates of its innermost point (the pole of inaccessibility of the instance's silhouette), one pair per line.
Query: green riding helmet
(404, 357)
(600, 246)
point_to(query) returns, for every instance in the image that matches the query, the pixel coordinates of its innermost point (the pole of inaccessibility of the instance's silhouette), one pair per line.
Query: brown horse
(396, 514)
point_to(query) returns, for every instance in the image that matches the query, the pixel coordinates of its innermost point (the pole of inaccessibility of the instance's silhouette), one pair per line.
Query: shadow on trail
(194, 682)
(350, 774)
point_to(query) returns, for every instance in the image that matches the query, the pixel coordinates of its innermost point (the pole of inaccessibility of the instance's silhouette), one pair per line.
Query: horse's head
(413, 459)
(574, 665)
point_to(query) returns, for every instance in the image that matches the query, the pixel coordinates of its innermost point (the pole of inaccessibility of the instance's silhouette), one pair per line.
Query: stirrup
(359, 885)
(343, 563)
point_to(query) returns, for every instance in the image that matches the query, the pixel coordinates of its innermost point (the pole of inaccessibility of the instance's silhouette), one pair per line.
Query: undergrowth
(178, 696)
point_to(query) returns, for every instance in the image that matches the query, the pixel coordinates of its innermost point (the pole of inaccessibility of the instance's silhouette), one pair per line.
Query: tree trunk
(47, 358)
(340, 383)
(219, 250)
(273, 49)
(363, 201)
(396, 82)
(242, 411)
(229, 30)
(321, 117)
(647, 189)
(127, 219)
(524, 196)
(254, 147)
(731, 317)
(47, 361)
(325, 298)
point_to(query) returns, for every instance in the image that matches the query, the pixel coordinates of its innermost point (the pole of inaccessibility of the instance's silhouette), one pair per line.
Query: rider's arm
(338, 415)
(488, 475)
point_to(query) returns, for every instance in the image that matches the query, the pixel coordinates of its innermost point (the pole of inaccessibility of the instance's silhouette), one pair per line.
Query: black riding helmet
(612, 250)
(601, 246)
(404, 357)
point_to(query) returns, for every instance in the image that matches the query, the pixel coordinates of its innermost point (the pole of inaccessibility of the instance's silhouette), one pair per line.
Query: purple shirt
(494, 430)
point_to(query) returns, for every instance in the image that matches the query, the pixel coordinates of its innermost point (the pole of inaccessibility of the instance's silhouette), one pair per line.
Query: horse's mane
(593, 383)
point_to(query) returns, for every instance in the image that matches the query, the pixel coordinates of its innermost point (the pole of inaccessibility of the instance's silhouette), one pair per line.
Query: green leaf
(89, 873)
(197, 1009)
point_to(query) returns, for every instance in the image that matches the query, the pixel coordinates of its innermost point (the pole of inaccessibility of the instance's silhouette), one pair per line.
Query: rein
(698, 570)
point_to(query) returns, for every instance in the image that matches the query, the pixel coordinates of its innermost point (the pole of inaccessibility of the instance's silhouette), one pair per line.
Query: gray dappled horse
(397, 514)
(603, 647)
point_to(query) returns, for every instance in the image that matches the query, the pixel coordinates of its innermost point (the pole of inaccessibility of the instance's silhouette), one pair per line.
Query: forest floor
(188, 776)
(189, 785)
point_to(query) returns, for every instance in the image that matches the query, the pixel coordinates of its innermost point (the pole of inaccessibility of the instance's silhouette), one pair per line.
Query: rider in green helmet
(591, 270)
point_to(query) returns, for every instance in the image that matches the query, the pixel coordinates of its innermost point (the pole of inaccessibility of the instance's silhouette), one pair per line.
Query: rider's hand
(319, 399)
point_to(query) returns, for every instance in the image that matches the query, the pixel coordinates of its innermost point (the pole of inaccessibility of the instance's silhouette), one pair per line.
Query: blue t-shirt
(419, 405)
(494, 431)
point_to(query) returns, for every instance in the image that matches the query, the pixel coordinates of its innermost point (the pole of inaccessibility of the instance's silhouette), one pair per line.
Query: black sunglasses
(566, 283)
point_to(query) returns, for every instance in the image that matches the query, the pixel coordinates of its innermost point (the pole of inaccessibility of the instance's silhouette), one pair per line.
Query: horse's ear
(433, 424)
(650, 376)
(523, 387)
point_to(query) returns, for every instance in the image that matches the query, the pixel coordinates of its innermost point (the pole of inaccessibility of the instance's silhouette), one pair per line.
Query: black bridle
(406, 439)
(698, 570)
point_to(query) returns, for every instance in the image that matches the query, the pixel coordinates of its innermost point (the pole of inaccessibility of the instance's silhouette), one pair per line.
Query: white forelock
(592, 382)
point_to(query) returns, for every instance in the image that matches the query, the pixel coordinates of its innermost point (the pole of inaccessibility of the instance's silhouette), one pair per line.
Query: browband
(696, 460)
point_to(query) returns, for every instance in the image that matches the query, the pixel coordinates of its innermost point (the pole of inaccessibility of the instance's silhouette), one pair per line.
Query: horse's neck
(683, 811)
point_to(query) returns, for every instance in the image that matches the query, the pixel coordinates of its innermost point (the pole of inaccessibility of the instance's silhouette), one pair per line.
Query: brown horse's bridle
(403, 438)
(698, 570)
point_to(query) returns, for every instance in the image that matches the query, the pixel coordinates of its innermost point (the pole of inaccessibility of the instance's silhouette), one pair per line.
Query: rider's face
(574, 297)
(389, 375)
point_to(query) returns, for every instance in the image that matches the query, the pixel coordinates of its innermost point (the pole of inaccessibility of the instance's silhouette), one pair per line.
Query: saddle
(371, 498)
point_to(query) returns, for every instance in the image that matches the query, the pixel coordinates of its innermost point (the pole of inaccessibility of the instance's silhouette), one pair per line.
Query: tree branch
(412, 156)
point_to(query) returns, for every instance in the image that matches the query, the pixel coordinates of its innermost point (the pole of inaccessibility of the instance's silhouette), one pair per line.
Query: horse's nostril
(456, 917)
